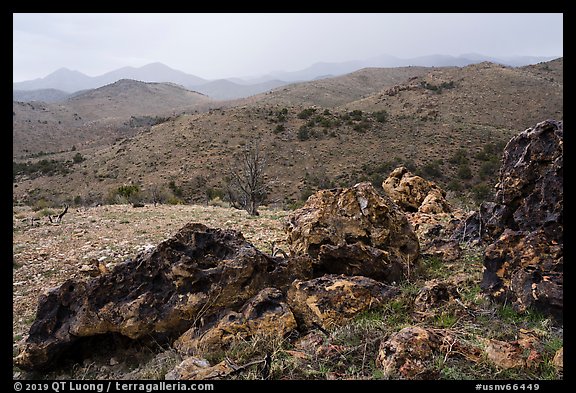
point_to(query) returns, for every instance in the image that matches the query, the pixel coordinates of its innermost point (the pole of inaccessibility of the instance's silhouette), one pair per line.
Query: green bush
(303, 133)
(78, 158)
(356, 115)
(432, 170)
(381, 116)
(459, 157)
(306, 113)
(177, 191)
(481, 192)
(127, 191)
(464, 172)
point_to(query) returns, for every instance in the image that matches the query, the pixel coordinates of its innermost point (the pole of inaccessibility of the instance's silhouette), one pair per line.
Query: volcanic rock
(197, 273)
(413, 193)
(524, 261)
(408, 354)
(354, 231)
(266, 314)
(332, 300)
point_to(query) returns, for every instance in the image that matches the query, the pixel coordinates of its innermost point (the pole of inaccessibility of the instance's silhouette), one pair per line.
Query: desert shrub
(279, 128)
(306, 113)
(481, 192)
(380, 116)
(432, 170)
(464, 172)
(178, 192)
(356, 115)
(78, 158)
(303, 133)
(459, 157)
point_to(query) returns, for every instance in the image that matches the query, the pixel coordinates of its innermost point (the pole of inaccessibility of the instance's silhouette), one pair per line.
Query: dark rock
(524, 261)
(197, 273)
(354, 231)
(434, 294)
(332, 300)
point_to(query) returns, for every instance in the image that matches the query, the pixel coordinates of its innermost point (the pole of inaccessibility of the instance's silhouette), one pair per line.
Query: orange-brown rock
(197, 273)
(266, 314)
(332, 300)
(354, 231)
(409, 353)
(558, 360)
(414, 193)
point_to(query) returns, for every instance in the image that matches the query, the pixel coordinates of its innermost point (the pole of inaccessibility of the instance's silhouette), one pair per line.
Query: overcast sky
(225, 45)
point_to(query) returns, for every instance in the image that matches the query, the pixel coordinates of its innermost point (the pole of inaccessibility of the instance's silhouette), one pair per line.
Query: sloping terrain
(449, 124)
(96, 117)
(343, 89)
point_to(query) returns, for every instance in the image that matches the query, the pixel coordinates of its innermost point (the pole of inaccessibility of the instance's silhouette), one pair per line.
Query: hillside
(448, 124)
(336, 91)
(96, 117)
(44, 95)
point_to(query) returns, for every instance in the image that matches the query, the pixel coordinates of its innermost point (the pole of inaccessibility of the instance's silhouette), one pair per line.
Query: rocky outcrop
(266, 314)
(413, 193)
(197, 273)
(354, 231)
(332, 300)
(524, 260)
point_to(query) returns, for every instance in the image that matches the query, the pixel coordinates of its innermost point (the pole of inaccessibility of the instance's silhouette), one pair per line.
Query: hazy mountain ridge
(71, 81)
(44, 95)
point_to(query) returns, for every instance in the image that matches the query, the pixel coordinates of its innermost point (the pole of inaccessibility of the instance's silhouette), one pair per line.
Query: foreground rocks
(266, 314)
(205, 288)
(408, 354)
(197, 273)
(354, 231)
(332, 300)
(524, 259)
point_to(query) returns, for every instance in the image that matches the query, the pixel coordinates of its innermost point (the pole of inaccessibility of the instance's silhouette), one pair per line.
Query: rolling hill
(448, 124)
(96, 117)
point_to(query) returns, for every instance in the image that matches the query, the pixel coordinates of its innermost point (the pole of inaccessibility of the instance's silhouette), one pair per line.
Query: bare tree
(246, 185)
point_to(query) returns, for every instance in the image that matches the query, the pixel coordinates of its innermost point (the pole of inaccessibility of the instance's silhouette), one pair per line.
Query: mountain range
(68, 81)
(447, 123)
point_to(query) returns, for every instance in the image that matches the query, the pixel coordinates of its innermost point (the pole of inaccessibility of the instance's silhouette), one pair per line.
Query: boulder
(434, 294)
(524, 226)
(521, 353)
(409, 353)
(266, 314)
(414, 193)
(354, 231)
(332, 300)
(436, 234)
(197, 273)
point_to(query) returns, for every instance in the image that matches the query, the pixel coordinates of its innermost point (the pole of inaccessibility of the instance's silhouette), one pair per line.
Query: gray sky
(225, 45)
